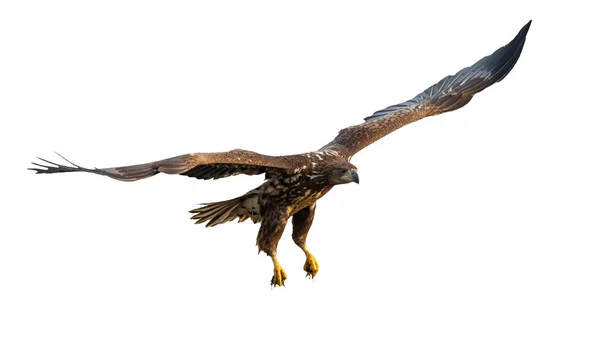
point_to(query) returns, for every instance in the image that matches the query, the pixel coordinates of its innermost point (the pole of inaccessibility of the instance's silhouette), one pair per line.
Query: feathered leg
(271, 229)
(302, 221)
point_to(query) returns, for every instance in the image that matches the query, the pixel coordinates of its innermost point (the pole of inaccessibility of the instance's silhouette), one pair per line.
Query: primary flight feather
(294, 183)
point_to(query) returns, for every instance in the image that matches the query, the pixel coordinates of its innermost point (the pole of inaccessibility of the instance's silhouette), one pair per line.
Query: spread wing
(451, 93)
(198, 165)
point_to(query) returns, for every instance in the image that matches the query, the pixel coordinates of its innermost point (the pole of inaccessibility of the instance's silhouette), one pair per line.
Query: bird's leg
(311, 267)
(279, 275)
(271, 229)
(302, 221)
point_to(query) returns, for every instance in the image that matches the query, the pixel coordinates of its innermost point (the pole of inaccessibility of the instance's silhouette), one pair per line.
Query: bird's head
(342, 174)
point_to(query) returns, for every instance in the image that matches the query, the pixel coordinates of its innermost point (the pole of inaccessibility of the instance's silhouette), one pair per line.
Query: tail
(243, 207)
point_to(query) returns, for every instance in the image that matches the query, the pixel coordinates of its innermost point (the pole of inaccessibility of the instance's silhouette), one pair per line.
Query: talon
(311, 267)
(279, 275)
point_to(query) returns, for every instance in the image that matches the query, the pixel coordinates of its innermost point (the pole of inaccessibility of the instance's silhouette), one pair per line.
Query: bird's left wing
(198, 165)
(451, 93)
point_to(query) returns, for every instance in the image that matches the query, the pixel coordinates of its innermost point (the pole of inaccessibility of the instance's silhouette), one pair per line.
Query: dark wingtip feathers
(522, 33)
(525, 28)
(520, 37)
(497, 65)
(43, 168)
(58, 168)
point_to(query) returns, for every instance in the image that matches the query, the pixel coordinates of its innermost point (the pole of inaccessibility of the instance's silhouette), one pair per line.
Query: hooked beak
(354, 176)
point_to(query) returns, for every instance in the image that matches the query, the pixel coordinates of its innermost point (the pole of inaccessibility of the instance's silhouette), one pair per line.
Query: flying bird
(294, 183)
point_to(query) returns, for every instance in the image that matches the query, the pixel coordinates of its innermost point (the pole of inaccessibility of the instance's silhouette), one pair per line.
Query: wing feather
(450, 93)
(198, 165)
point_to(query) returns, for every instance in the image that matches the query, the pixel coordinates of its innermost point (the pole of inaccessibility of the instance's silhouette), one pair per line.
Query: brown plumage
(294, 183)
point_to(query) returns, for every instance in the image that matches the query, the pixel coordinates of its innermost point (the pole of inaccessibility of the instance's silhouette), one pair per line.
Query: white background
(480, 222)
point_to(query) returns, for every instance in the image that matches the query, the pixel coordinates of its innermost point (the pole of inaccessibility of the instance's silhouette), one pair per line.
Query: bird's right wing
(198, 165)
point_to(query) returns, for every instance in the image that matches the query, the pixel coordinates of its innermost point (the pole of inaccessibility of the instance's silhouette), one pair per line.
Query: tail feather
(215, 213)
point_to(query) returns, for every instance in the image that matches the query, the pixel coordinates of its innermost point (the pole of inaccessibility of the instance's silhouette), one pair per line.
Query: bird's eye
(343, 171)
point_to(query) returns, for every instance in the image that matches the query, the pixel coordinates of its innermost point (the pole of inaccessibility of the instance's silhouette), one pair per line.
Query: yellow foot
(311, 267)
(279, 277)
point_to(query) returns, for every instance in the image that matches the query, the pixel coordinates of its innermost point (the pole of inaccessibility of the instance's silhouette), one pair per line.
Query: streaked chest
(298, 191)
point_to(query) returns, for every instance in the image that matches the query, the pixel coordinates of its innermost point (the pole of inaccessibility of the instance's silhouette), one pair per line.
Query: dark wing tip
(44, 168)
(522, 33)
(525, 28)
(487, 71)
(52, 167)
(508, 55)
(36, 169)
(520, 37)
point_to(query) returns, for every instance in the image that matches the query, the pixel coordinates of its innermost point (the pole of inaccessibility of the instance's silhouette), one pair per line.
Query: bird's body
(295, 188)
(294, 183)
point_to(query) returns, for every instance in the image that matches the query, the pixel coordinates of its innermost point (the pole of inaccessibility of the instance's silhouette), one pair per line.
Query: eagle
(294, 183)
